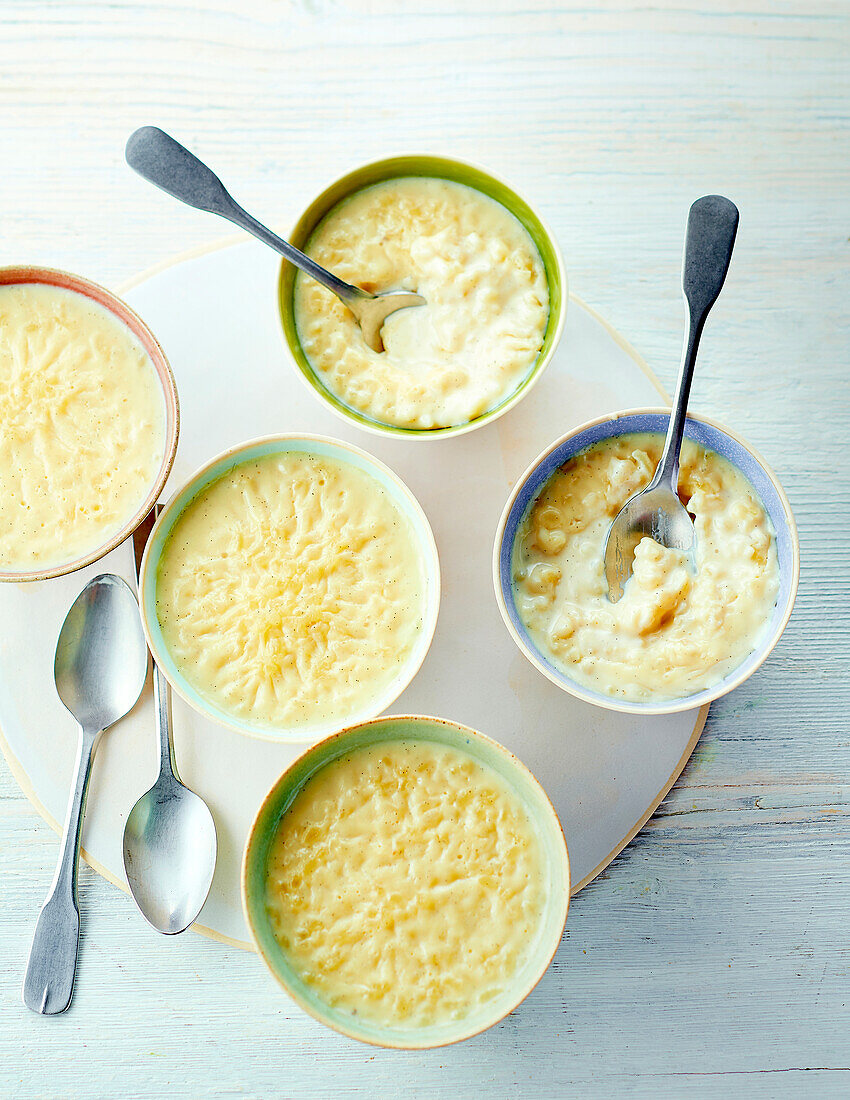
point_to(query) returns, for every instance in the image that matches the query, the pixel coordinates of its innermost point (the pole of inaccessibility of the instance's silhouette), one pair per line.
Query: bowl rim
(183, 496)
(670, 706)
(513, 761)
(14, 274)
(307, 223)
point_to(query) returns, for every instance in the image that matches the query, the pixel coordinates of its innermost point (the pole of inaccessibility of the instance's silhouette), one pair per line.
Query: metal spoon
(100, 669)
(165, 162)
(656, 511)
(169, 838)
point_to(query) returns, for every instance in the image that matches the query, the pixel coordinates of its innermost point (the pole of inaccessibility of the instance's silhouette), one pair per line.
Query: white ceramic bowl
(214, 469)
(708, 434)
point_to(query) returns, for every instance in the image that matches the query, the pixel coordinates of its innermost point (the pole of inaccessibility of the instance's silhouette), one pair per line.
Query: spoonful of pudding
(656, 511)
(164, 162)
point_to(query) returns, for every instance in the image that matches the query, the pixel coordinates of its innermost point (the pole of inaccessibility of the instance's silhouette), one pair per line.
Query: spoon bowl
(101, 657)
(371, 310)
(100, 668)
(655, 513)
(169, 855)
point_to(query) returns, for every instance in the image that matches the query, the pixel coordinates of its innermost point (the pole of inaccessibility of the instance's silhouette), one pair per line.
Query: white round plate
(216, 316)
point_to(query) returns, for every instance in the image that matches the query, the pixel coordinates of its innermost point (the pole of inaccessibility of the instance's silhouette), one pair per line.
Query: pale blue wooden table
(712, 956)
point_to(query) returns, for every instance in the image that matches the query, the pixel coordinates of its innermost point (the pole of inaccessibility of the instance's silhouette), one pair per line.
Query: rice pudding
(482, 329)
(82, 426)
(291, 591)
(674, 632)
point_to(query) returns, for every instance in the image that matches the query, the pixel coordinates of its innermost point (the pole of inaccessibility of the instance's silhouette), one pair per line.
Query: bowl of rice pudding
(407, 882)
(489, 269)
(681, 635)
(89, 421)
(290, 587)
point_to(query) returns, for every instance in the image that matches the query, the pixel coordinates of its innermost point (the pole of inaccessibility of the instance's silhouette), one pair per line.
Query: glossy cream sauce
(291, 591)
(82, 426)
(406, 884)
(480, 333)
(675, 631)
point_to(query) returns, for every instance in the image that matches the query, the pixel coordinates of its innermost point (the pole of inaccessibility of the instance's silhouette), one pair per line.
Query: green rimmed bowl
(487, 752)
(217, 468)
(439, 168)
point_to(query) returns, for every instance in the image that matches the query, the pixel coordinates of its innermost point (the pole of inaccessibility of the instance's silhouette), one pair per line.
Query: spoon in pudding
(656, 511)
(161, 160)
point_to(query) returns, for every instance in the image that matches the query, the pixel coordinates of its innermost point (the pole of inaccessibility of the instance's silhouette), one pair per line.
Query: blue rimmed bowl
(217, 468)
(519, 781)
(706, 433)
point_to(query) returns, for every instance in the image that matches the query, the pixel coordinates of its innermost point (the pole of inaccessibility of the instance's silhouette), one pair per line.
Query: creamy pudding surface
(480, 333)
(82, 426)
(291, 591)
(674, 632)
(406, 884)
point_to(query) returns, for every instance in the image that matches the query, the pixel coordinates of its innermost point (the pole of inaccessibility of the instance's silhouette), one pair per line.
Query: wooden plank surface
(712, 956)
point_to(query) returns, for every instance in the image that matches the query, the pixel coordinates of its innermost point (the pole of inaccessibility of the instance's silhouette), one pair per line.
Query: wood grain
(712, 956)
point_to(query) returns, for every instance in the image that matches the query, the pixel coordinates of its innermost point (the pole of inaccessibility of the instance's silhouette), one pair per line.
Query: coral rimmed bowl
(47, 276)
(708, 434)
(520, 781)
(217, 468)
(458, 172)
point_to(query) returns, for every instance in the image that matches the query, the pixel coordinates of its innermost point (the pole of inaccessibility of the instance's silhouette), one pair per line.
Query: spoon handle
(167, 164)
(710, 238)
(49, 980)
(162, 706)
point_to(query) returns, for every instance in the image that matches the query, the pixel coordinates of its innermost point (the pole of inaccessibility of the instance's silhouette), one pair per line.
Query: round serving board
(216, 316)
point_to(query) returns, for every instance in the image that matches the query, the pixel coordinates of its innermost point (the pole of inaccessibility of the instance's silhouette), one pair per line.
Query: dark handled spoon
(656, 511)
(166, 163)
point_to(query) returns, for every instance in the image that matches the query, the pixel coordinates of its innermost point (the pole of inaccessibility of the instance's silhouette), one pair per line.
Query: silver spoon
(100, 669)
(169, 838)
(656, 511)
(161, 160)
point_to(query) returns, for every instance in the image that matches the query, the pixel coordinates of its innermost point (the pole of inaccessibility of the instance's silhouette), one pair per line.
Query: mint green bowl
(485, 751)
(440, 168)
(218, 467)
